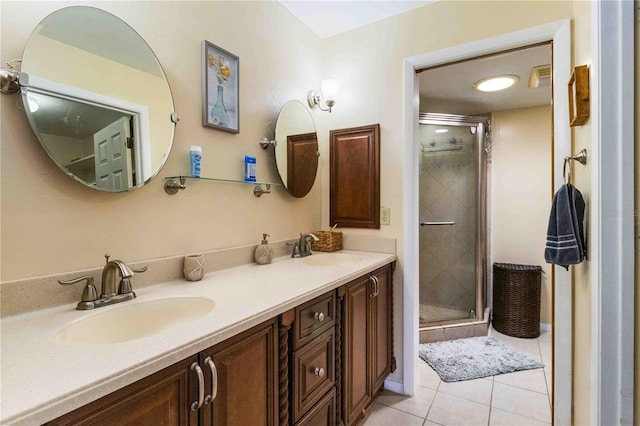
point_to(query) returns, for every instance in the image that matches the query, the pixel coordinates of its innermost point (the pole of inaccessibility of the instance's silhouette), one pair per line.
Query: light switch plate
(385, 216)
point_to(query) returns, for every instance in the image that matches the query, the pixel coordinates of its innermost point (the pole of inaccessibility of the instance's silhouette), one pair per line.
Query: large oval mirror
(296, 149)
(97, 99)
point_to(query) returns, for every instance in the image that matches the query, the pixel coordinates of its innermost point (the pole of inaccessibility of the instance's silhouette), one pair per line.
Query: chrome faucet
(302, 247)
(108, 293)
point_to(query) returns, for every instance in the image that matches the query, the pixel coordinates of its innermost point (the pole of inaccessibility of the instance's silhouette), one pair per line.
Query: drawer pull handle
(214, 381)
(319, 372)
(319, 316)
(195, 405)
(373, 287)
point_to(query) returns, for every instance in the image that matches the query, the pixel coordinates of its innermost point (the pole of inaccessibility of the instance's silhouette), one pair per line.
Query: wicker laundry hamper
(516, 299)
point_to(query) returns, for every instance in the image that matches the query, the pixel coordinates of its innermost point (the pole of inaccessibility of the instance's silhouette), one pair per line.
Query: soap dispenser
(264, 252)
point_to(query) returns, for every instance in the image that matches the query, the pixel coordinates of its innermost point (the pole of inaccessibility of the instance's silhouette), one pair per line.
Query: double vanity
(299, 341)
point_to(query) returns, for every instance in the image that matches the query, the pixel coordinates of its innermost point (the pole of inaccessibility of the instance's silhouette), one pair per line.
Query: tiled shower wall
(448, 188)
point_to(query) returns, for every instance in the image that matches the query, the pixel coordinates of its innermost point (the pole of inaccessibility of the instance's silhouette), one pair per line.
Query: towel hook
(580, 157)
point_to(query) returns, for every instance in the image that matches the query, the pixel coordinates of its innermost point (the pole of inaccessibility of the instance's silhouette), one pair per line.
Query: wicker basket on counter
(327, 241)
(516, 299)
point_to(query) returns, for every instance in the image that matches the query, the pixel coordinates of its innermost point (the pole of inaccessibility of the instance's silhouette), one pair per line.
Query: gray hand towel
(565, 234)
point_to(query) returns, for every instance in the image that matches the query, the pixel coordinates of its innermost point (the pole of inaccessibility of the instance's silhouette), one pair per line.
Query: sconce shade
(330, 89)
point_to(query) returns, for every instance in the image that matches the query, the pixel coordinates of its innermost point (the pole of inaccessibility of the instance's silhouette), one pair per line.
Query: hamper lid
(516, 267)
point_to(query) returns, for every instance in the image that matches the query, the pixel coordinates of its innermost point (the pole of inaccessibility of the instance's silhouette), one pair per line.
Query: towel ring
(581, 157)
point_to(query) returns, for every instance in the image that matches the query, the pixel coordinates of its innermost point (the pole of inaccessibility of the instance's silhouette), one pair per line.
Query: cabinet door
(160, 399)
(380, 327)
(247, 379)
(356, 377)
(354, 177)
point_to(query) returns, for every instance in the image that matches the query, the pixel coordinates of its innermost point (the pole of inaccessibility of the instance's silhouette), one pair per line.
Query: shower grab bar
(437, 223)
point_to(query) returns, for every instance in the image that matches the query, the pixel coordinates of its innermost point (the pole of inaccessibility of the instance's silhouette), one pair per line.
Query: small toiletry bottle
(195, 154)
(249, 168)
(264, 252)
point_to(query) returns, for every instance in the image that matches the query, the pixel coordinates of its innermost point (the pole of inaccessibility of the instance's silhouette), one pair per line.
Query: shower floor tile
(431, 313)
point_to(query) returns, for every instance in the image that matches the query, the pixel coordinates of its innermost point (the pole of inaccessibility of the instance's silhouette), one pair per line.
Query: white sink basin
(129, 322)
(333, 259)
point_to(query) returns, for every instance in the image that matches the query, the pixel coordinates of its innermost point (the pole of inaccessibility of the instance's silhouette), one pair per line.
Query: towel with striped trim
(565, 234)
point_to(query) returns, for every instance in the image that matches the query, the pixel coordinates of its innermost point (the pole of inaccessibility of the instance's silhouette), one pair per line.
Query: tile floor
(520, 398)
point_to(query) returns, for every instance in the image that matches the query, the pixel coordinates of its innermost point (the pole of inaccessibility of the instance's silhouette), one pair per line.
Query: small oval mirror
(296, 149)
(97, 98)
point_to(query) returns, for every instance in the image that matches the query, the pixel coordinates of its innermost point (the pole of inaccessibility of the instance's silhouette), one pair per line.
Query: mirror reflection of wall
(296, 151)
(86, 69)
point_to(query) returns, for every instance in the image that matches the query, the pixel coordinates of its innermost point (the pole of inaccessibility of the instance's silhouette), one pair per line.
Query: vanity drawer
(313, 318)
(313, 373)
(323, 414)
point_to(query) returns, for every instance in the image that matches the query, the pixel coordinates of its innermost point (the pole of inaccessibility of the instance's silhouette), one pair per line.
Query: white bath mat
(473, 358)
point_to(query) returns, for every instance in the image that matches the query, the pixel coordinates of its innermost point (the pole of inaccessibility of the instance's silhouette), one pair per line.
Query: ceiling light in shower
(441, 130)
(493, 84)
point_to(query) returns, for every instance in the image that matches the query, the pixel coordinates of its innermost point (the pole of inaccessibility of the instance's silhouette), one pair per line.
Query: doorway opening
(559, 33)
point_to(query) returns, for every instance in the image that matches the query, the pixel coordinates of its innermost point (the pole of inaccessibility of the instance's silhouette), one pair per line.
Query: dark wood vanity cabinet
(310, 334)
(247, 385)
(159, 399)
(321, 363)
(247, 379)
(367, 341)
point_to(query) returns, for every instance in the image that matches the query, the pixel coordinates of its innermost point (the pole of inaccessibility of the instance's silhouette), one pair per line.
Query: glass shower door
(448, 236)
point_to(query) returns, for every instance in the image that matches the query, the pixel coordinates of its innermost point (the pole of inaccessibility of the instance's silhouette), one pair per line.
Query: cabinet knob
(319, 316)
(319, 372)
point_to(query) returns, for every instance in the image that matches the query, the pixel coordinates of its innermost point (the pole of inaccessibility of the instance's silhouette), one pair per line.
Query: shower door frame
(480, 124)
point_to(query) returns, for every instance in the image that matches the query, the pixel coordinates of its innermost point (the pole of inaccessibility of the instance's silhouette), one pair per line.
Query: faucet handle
(89, 294)
(141, 270)
(125, 286)
(87, 278)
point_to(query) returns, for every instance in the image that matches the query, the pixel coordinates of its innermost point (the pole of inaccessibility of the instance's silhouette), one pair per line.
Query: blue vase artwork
(219, 114)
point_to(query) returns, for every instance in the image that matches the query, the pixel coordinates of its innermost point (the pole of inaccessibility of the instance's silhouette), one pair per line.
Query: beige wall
(369, 64)
(582, 273)
(521, 191)
(51, 224)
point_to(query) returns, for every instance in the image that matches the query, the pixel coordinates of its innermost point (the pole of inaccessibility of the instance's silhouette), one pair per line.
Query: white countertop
(42, 379)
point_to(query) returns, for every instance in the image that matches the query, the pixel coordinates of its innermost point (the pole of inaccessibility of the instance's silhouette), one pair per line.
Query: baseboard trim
(394, 386)
(545, 326)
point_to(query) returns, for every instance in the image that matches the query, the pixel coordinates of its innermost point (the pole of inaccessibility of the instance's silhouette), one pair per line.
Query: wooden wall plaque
(579, 96)
(354, 177)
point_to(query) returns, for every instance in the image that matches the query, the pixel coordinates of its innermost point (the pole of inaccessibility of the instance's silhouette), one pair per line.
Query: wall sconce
(329, 89)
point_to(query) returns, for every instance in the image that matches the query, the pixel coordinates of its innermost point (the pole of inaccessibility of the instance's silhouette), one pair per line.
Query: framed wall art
(220, 89)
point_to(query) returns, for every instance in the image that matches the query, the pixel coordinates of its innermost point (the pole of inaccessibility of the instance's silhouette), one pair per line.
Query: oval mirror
(296, 149)
(97, 99)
